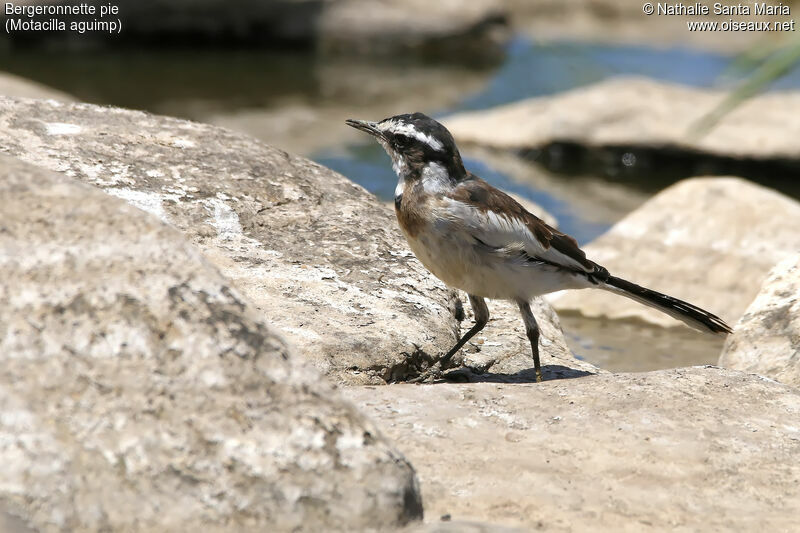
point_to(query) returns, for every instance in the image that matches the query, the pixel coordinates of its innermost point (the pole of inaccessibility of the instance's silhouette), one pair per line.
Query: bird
(478, 239)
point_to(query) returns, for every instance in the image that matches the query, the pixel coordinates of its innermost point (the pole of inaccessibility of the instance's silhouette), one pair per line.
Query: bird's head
(415, 142)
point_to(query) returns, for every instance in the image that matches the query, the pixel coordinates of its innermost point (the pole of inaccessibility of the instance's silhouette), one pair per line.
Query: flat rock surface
(320, 257)
(692, 449)
(140, 391)
(638, 112)
(709, 241)
(767, 338)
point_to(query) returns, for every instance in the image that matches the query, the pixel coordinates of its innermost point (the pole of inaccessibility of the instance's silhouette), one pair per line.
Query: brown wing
(476, 193)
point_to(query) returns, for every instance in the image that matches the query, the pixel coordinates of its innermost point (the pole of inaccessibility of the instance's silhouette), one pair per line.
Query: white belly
(454, 259)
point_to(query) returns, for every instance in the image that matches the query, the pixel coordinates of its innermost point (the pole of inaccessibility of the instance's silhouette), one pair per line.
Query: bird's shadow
(549, 373)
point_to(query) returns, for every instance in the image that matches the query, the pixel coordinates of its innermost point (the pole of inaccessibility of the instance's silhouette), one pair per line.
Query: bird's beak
(365, 125)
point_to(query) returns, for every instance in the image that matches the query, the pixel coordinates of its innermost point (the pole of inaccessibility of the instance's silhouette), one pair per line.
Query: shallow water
(632, 346)
(260, 86)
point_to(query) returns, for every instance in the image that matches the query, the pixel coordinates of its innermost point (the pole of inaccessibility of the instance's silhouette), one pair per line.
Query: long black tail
(683, 311)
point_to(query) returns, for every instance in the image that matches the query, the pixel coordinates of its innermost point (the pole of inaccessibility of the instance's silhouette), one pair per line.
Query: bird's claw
(431, 374)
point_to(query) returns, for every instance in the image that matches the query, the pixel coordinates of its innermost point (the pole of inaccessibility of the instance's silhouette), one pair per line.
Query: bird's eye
(402, 141)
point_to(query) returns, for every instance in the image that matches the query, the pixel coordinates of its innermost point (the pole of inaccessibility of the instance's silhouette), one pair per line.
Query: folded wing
(496, 220)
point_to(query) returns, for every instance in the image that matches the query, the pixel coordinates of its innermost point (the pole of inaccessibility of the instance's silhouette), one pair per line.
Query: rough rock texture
(11, 85)
(694, 449)
(322, 259)
(767, 338)
(140, 392)
(710, 241)
(317, 255)
(638, 112)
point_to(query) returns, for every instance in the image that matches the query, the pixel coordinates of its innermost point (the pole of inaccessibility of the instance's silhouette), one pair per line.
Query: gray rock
(141, 392)
(710, 241)
(318, 256)
(693, 449)
(11, 85)
(767, 338)
(638, 112)
(322, 259)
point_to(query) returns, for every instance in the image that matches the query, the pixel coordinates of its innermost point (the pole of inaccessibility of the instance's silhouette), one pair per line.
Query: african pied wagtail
(478, 239)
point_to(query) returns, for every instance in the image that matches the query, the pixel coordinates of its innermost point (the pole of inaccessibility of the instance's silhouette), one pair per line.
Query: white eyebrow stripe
(400, 128)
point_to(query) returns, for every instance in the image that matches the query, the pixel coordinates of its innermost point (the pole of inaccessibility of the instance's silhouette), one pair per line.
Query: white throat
(401, 187)
(399, 166)
(435, 178)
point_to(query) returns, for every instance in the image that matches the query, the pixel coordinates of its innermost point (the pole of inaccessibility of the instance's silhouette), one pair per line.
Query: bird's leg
(532, 330)
(481, 319)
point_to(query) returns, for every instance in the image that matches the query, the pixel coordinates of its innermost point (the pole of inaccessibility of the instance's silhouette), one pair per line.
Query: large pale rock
(710, 241)
(11, 85)
(638, 112)
(321, 258)
(767, 338)
(695, 449)
(141, 392)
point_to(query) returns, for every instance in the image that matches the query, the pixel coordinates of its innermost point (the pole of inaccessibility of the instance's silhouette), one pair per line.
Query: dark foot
(431, 374)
